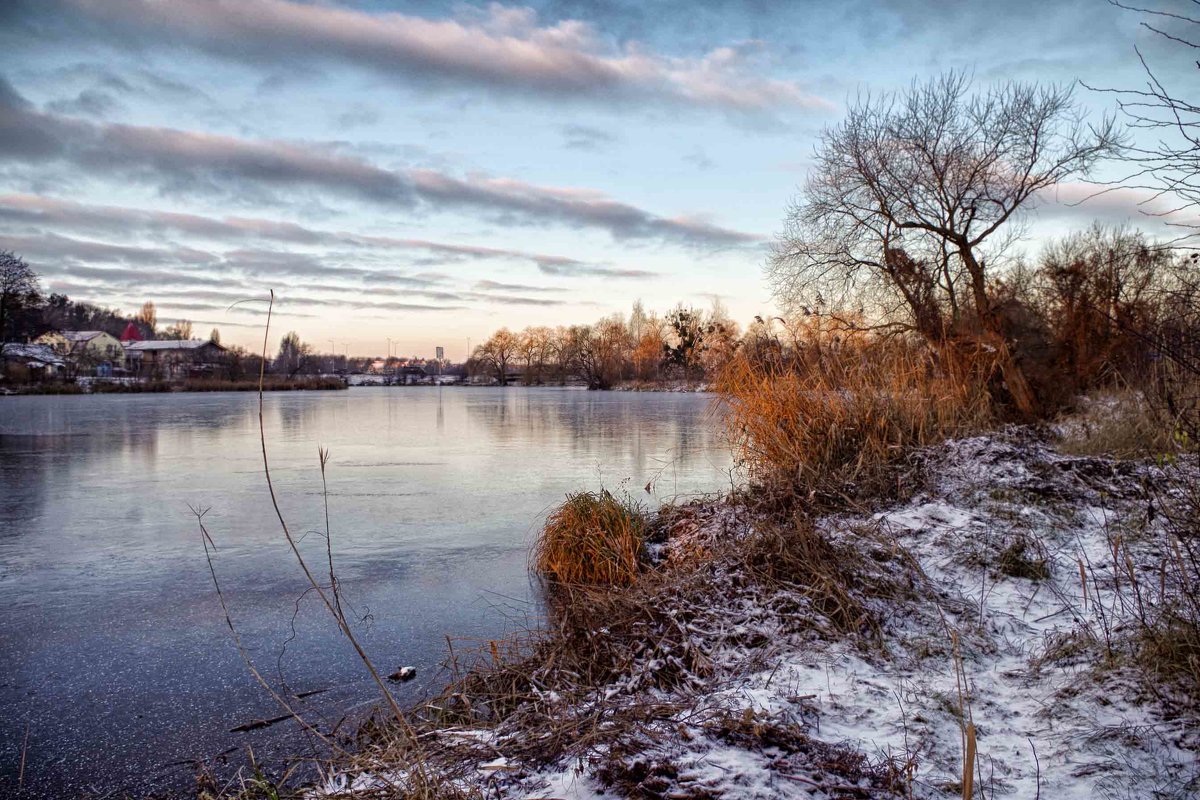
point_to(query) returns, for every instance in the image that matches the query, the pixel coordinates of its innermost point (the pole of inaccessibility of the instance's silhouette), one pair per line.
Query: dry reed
(822, 419)
(593, 538)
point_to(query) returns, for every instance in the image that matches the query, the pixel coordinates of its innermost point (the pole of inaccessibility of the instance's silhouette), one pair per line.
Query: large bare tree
(913, 193)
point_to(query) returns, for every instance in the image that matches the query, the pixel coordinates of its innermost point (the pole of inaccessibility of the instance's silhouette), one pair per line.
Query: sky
(429, 172)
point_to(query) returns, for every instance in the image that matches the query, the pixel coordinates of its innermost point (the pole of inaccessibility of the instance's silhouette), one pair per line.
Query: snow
(974, 644)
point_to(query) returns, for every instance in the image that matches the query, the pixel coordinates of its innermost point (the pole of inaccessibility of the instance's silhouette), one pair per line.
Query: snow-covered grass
(848, 656)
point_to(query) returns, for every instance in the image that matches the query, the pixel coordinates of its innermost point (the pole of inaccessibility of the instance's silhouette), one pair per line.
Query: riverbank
(102, 386)
(993, 614)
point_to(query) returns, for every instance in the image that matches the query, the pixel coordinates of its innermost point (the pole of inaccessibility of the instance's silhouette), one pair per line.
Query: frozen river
(117, 672)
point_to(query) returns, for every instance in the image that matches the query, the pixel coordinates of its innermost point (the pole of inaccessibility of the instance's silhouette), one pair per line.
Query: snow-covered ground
(991, 631)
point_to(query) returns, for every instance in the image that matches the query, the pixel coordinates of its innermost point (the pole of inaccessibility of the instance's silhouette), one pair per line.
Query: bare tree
(497, 352)
(181, 330)
(1166, 153)
(148, 316)
(293, 355)
(914, 193)
(19, 290)
(533, 346)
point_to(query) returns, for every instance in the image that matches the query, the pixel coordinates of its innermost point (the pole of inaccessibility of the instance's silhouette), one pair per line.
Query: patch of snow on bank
(994, 642)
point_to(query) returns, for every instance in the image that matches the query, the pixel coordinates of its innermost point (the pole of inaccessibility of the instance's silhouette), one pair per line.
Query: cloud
(52, 247)
(495, 286)
(569, 205)
(500, 48)
(699, 160)
(100, 220)
(1112, 205)
(576, 270)
(584, 137)
(205, 162)
(89, 102)
(507, 300)
(100, 270)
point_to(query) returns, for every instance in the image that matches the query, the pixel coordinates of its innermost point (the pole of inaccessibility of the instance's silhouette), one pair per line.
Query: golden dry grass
(821, 422)
(592, 539)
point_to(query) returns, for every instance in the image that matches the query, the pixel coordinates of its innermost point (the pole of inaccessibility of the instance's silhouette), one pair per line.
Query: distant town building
(86, 352)
(30, 363)
(177, 358)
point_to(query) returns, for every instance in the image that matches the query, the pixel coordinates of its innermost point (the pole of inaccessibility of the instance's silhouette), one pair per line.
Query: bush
(1121, 423)
(823, 418)
(593, 538)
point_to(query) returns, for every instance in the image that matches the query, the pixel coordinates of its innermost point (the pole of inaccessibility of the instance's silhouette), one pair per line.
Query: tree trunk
(1015, 381)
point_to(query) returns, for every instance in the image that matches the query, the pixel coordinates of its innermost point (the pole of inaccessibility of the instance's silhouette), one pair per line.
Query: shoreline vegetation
(915, 593)
(310, 383)
(100, 386)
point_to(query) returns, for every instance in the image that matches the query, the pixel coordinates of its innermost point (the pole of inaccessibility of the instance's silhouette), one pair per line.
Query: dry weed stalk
(334, 609)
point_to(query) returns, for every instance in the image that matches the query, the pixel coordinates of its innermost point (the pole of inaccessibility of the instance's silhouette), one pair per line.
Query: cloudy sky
(431, 171)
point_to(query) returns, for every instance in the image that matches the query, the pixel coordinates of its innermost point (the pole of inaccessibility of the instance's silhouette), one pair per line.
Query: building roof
(76, 337)
(170, 344)
(35, 354)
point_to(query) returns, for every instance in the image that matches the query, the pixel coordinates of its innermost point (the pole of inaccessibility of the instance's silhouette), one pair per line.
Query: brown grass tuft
(592, 539)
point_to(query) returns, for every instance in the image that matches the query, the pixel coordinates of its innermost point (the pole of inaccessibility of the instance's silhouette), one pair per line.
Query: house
(30, 363)
(177, 358)
(86, 351)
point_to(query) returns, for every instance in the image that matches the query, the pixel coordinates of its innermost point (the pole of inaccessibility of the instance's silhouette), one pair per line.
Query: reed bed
(824, 421)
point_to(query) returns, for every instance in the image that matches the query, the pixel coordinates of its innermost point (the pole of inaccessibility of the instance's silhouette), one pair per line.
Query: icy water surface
(116, 669)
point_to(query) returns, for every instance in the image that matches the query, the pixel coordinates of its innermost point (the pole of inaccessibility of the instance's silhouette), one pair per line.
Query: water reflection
(434, 495)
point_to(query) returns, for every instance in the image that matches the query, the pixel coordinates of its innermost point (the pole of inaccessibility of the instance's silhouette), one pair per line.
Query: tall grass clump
(594, 538)
(821, 417)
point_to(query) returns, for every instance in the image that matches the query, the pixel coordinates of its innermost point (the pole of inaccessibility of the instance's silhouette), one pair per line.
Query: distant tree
(181, 330)
(683, 347)
(147, 318)
(558, 355)
(497, 352)
(20, 297)
(534, 348)
(612, 345)
(638, 320)
(579, 347)
(721, 338)
(648, 350)
(215, 336)
(293, 355)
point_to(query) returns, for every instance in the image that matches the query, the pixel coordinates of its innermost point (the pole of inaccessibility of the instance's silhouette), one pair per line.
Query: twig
(24, 751)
